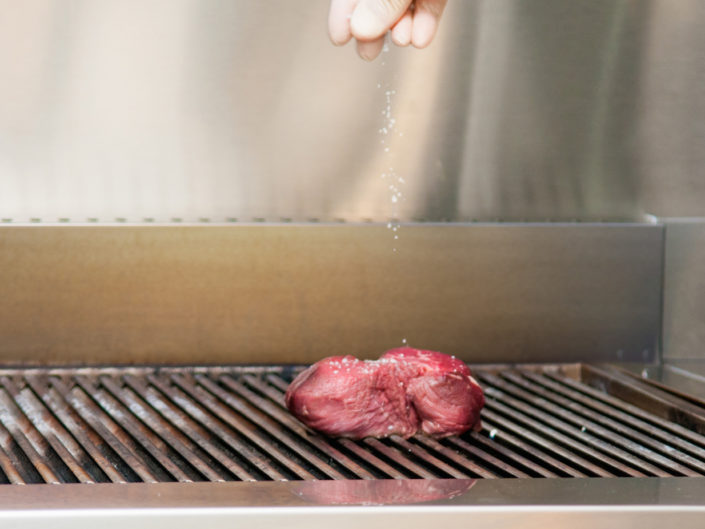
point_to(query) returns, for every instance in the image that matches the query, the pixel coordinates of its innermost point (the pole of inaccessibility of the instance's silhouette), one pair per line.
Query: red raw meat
(404, 392)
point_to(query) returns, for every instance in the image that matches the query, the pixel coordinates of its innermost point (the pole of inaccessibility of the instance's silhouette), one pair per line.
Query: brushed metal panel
(296, 293)
(684, 290)
(190, 109)
(490, 517)
(497, 504)
(508, 494)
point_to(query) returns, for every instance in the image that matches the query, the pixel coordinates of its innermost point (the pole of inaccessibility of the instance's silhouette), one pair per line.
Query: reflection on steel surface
(189, 109)
(382, 492)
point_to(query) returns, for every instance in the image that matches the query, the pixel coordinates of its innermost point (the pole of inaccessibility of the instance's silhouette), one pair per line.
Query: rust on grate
(120, 425)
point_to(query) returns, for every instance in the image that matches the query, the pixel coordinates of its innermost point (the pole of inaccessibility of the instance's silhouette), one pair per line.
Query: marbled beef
(406, 391)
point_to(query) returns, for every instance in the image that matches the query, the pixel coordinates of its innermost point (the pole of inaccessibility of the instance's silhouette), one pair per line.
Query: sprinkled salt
(493, 432)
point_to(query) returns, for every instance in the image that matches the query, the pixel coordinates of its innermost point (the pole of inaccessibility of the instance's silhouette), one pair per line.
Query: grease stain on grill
(173, 424)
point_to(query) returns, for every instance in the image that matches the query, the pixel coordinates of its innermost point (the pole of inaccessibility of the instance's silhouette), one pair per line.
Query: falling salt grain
(493, 432)
(583, 429)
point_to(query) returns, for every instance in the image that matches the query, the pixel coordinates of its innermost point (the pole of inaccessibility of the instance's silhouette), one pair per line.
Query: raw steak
(404, 392)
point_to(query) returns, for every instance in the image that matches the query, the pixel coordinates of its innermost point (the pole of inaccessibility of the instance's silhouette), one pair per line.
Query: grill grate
(229, 423)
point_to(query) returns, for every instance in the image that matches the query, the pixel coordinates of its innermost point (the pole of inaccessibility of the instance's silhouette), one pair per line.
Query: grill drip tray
(229, 424)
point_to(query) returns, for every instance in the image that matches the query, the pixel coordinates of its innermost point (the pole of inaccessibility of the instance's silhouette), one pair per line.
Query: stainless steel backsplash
(223, 110)
(242, 109)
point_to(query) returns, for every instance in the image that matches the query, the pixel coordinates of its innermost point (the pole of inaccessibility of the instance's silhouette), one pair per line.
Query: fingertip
(424, 29)
(339, 21)
(370, 49)
(401, 32)
(339, 39)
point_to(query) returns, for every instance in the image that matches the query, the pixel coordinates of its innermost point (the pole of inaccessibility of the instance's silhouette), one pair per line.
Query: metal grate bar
(56, 435)
(561, 444)
(173, 437)
(427, 458)
(216, 428)
(182, 421)
(124, 418)
(262, 441)
(651, 424)
(26, 473)
(463, 462)
(535, 445)
(615, 431)
(34, 447)
(504, 467)
(114, 436)
(9, 469)
(660, 402)
(536, 459)
(584, 430)
(577, 440)
(98, 465)
(409, 467)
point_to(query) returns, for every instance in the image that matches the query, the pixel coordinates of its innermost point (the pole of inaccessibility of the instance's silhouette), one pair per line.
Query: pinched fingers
(369, 20)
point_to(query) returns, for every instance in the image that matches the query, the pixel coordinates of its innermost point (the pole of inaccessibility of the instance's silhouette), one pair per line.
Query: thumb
(373, 18)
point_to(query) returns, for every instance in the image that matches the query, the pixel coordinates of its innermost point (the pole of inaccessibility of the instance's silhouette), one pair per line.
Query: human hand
(369, 20)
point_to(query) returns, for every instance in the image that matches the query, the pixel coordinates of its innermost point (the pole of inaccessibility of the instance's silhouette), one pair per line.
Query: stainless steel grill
(229, 424)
